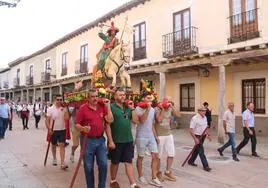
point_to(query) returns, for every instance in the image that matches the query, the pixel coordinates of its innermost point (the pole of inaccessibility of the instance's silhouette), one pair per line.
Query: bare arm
(135, 118)
(48, 122)
(159, 116)
(108, 132)
(225, 126)
(144, 116)
(175, 112)
(109, 117)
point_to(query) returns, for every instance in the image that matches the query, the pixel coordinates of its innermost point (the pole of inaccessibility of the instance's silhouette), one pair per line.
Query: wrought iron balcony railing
(244, 26)
(45, 77)
(29, 80)
(16, 82)
(6, 85)
(81, 66)
(178, 43)
(64, 71)
(139, 50)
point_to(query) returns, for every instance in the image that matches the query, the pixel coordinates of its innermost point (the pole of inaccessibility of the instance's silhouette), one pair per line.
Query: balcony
(6, 85)
(64, 71)
(179, 43)
(243, 26)
(139, 50)
(45, 77)
(81, 67)
(16, 82)
(29, 80)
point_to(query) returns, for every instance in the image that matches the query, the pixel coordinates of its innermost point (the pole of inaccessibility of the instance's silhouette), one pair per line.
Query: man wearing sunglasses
(57, 114)
(91, 119)
(122, 147)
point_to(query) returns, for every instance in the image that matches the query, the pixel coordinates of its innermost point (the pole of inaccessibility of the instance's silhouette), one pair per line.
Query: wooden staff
(82, 153)
(49, 141)
(200, 139)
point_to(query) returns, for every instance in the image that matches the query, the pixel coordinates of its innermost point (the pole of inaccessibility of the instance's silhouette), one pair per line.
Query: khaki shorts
(76, 137)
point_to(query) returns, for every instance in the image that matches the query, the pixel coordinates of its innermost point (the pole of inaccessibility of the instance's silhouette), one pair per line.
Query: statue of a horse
(115, 65)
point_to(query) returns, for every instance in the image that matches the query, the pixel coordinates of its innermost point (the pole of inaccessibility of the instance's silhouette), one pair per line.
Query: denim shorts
(143, 143)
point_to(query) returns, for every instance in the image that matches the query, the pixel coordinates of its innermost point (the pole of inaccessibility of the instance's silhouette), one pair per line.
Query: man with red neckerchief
(91, 119)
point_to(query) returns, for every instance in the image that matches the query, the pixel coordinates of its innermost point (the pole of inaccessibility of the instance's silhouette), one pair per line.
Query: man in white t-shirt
(37, 109)
(229, 128)
(197, 127)
(55, 122)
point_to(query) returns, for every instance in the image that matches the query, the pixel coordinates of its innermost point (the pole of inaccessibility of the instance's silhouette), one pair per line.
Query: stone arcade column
(41, 95)
(162, 83)
(27, 96)
(50, 94)
(60, 89)
(34, 94)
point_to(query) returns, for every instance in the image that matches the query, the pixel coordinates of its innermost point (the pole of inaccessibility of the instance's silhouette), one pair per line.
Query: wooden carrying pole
(200, 139)
(49, 142)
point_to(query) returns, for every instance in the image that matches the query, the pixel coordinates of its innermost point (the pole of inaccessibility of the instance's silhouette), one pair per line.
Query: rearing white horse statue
(115, 64)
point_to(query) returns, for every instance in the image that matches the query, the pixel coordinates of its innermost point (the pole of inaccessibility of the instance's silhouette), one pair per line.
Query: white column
(27, 95)
(222, 103)
(41, 90)
(60, 89)
(21, 96)
(162, 81)
(50, 94)
(34, 94)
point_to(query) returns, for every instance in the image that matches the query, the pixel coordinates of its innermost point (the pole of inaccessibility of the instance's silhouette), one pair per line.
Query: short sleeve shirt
(4, 109)
(229, 118)
(198, 124)
(86, 116)
(145, 130)
(163, 128)
(121, 126)
(57, 115)
(248, 116)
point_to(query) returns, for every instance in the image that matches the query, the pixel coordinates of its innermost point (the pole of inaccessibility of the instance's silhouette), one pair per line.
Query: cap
(201, 108)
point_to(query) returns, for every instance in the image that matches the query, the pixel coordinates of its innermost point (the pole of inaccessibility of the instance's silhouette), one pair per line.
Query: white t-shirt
(198, 124)
(229, 118)
(37, 109)
(57, 115)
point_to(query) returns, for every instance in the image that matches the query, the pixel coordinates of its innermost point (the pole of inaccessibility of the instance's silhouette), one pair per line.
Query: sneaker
(220, 152)
(155, 182)
(255, 155)
(235, 158)
(169, 176)
(63, 166)
(114, 185)
(142, 181)
(72, 158)
(207, 169)
(160, 177)
(192, 164)
(54, 162)
(135, 186)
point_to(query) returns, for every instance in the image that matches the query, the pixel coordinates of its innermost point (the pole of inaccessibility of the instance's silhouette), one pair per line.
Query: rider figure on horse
(110, 41)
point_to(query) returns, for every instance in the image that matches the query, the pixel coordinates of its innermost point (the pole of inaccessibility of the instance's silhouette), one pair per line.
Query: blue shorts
(143, 143)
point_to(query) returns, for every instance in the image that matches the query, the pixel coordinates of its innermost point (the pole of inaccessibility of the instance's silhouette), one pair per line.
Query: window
(64, 60)
(31, 71)
(254, 91)
(181, 25)
(18, 74)
(187, 97)
(139, 41)
(84, 53)
(48, 64)
(243, 20)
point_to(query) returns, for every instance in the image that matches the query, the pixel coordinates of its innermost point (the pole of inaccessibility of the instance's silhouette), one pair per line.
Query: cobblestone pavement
(22, 155)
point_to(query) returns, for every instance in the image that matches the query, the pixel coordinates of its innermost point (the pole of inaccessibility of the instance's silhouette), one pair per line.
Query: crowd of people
(24, 111)
(153, 134)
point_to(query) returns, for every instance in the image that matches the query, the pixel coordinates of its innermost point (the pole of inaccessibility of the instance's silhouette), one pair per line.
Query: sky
(33, 24)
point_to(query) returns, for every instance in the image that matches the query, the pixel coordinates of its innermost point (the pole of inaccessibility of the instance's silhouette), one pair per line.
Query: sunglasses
(59, 99)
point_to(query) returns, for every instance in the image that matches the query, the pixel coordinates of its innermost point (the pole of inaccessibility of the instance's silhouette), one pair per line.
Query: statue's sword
(126, 19)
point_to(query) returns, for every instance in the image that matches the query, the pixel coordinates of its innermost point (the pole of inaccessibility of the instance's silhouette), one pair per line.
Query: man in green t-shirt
(163, 115)
(122, 148)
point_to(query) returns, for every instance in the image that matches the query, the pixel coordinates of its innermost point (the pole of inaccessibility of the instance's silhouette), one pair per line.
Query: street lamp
(9, 4)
